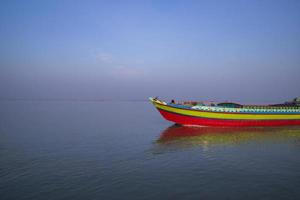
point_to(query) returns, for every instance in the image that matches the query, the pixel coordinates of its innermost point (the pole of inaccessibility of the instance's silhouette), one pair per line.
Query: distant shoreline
(73, 100)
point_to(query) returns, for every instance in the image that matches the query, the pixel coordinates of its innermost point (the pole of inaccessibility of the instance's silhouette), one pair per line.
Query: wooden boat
(229, 114)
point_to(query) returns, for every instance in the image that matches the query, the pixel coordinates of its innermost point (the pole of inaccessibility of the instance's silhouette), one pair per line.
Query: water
(125, 150)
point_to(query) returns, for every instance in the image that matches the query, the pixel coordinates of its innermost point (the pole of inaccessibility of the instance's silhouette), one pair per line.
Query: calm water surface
(125, 150)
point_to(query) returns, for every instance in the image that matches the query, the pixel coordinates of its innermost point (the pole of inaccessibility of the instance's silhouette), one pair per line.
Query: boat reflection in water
(207, 136)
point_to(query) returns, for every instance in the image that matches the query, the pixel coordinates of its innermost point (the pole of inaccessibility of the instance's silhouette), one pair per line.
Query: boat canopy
(230, 105)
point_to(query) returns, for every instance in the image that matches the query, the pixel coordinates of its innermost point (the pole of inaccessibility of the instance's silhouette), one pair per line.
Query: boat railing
(245, 109)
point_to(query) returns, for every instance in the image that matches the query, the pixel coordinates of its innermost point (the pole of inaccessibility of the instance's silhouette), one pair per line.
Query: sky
(236, 50)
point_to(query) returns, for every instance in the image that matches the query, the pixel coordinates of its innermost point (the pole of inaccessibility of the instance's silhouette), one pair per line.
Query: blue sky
(245, 51)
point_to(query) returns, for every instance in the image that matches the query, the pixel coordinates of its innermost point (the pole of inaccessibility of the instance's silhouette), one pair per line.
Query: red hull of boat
(190, 120)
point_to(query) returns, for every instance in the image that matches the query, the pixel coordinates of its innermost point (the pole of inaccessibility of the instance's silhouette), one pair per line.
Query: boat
(194, 113)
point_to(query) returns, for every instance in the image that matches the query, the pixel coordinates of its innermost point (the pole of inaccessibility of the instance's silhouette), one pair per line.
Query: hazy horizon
(243, 51)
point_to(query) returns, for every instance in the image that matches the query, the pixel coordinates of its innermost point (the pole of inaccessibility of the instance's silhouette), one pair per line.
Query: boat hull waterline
(187, 116)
